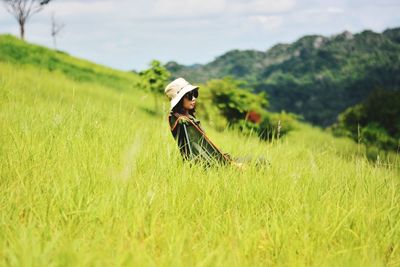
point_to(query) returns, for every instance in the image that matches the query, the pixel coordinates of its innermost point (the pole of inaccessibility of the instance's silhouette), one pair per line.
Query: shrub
(154, 80)
(233, 100)
(276, 125)
(375, 121)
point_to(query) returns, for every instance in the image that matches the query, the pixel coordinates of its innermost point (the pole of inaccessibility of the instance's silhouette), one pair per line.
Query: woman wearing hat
(193, 143)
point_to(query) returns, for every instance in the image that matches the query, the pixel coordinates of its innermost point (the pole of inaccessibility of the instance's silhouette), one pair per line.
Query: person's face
(189, 100)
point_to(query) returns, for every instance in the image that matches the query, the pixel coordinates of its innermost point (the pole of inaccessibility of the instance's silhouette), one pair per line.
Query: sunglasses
(194, 93)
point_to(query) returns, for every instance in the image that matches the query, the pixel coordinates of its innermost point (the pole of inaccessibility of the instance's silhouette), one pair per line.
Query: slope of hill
(16, 51)
(316, 76)
(88, 177)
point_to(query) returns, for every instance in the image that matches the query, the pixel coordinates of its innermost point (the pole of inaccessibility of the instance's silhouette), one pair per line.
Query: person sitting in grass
(194, 145)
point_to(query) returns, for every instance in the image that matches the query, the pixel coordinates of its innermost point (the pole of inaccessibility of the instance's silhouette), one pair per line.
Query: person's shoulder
(194, 119)
(183, 119)
(177, 119)
(178, 116)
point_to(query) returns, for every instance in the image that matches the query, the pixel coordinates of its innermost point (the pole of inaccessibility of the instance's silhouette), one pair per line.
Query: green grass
(18, 52)
(90, 177)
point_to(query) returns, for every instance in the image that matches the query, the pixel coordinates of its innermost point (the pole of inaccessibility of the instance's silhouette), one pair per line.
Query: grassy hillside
(18, 52)
(316, 76)
(89, 177)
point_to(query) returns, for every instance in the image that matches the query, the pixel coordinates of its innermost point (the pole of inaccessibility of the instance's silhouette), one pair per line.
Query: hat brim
(181, 93)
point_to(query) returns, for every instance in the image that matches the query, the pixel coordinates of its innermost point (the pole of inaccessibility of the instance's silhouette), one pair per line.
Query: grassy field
(90, 177)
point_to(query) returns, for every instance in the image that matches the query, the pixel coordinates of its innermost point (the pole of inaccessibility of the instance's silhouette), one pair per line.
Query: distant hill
(316, 76)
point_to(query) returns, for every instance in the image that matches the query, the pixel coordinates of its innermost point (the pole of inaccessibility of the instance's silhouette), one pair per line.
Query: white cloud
(82, 8)
(269, 23)
(261, 6)
(188, 8)
(167, 9)
(127, 34)
(335, 10)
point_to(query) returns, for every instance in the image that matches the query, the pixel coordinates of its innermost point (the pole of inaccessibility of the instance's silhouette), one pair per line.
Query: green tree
(233, 100)
(375, 121)
(154, 80)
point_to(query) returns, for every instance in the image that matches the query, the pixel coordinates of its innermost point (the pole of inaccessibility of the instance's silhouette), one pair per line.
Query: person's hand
(183, 120)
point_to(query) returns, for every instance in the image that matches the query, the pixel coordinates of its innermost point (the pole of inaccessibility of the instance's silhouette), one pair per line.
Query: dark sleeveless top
(193, 143)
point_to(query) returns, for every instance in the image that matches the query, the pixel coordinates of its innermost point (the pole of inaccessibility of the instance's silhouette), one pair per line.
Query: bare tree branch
(56, 28)
(22, 10)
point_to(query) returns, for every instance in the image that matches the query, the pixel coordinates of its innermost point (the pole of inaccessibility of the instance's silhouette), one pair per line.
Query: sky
(127, 35)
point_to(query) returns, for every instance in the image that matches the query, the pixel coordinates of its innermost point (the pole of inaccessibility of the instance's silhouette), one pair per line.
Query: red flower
(253, 117)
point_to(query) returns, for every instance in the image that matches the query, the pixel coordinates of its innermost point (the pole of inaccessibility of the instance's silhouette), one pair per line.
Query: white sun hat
(176, 89)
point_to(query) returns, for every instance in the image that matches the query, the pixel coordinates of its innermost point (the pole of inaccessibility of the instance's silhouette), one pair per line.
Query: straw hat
(177, 89)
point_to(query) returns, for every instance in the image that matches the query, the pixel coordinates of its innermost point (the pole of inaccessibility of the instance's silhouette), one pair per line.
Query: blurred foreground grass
(90, 177)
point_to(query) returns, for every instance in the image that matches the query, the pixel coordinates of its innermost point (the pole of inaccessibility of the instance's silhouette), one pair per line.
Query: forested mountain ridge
(316, 76)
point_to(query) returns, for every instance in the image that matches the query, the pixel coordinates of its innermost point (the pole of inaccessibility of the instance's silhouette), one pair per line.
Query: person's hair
(179, 108)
